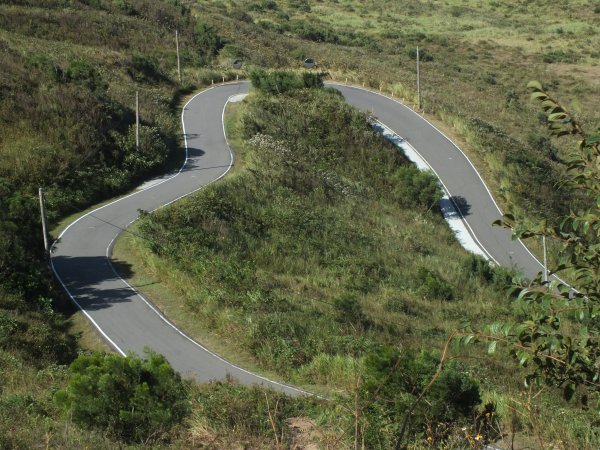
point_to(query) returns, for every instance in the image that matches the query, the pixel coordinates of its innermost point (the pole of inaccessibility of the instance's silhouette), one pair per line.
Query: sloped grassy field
(67, 86)
(323, 252)
(476, 58)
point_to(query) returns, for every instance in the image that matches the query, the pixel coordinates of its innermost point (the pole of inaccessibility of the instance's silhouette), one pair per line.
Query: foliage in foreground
(134, 400)
(307, 257)
(557, 336)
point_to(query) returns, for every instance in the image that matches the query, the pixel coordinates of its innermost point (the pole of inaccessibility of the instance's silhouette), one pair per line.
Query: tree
(132, 399)
(207, 39)
(557, 334)
(412, 393)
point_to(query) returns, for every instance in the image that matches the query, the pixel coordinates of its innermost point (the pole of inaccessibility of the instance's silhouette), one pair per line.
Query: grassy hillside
(476, 60)
(322, 254)
(68, 78)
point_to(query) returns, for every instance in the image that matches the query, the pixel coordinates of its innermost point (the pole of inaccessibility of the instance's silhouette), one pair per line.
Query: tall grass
(315, 240)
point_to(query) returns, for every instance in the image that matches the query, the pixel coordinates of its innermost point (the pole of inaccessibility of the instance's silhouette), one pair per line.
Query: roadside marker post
(137, 120)
(177, 48)
(545, 259)
(418, 81)
(43, 214)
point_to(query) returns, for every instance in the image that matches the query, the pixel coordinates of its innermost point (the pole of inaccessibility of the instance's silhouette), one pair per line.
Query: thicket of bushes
(67, 93)
(130, 399)
(307, 254)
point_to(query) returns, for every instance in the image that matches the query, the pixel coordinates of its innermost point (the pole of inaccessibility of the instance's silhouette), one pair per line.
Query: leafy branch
(556, 335)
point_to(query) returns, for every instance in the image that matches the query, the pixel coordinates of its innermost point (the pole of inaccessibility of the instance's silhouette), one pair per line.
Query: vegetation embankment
(69, 73)
(67, 93)
(323, 256)
(475, 61)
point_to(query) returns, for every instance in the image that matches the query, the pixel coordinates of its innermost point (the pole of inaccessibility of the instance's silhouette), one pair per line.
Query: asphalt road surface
(465, 186)
(80, 258)
(81, 262)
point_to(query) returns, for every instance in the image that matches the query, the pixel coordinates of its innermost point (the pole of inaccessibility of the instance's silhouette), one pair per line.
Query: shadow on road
(92, 281)
(455, 207)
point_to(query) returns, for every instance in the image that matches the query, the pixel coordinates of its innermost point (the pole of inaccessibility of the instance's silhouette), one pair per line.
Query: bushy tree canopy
(556, 333)
(133, 399)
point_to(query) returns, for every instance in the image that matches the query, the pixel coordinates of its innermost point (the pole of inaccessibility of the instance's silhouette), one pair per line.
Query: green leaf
(492, 347)
(534, 84)
(568, 391)
(592, 139)
(557, 116)
(539, 96)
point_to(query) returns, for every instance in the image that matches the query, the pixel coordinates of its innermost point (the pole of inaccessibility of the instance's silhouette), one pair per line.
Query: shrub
(279, 82)
(349, 310)
(413, 187)
(395, 379)
(263, 5)
(152, 151)
(84, 73)
(433, 285)
(207, 39)
(560, 56)
(424, 55)
(144, 68)
(132, 399)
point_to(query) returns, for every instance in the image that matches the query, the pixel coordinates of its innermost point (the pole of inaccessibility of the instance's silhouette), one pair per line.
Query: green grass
(475, 82)
(272, 262)
(63, 128)
(305, 281)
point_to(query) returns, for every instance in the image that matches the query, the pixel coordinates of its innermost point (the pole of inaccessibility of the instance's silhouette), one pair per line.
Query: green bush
(132, 399)
(144, 68)
(424, 55)
(394, 380)
(279, 82)
(413, 187)
(207, 39)
(561, 56)
(481, 269)
(432, 285)
(84, 72)
(151, 154)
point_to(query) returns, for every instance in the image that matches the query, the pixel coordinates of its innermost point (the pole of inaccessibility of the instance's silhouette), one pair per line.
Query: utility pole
(177, 47)
(137, 120)
(43, 214)
(545, 259)
(418, 82)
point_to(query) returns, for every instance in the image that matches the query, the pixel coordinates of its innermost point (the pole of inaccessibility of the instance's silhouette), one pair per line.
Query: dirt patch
(305, 433)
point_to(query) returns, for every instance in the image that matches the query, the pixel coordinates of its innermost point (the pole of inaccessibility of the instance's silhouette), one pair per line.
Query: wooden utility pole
(137, 120)
(177, 48)
(43, 214)
(418, 82)
(545, 259)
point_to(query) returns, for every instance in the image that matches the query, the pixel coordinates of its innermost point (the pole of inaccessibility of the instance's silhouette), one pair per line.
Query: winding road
(81, 256)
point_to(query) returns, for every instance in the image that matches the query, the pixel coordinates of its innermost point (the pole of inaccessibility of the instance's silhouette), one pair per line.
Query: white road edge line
(109, 250)
(446, 190)
(460, 150)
